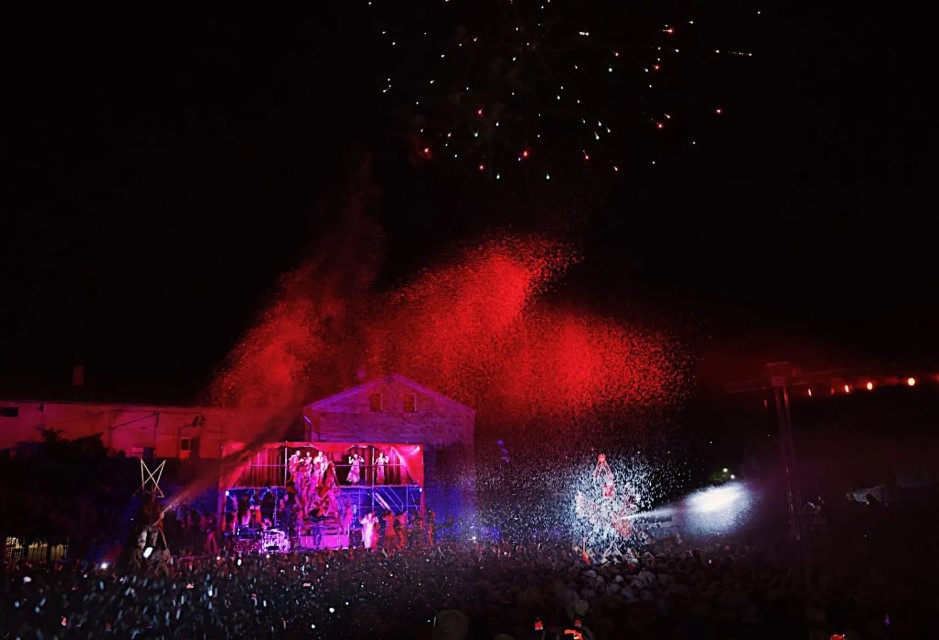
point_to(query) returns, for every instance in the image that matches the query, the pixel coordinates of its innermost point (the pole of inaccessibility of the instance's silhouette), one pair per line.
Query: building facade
(396, 409)
(392, 410)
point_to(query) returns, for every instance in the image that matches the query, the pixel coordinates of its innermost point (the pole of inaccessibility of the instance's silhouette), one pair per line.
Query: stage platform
(327, 533)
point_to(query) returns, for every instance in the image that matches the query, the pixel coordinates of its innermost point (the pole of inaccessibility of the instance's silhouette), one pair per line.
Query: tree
(66, 491)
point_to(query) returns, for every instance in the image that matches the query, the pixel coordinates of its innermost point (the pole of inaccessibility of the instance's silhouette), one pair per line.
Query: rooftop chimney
(78, 375)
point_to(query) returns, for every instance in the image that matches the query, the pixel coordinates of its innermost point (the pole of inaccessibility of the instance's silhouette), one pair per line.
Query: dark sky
(159, 173)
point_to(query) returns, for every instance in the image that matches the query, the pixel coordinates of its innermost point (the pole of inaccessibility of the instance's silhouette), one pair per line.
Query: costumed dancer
(355, 462)
(319, 468)
(293, 465)
(390, 539)
(329, 474)
(303, 487)
(603, 474)
(370, 530)
(380, 463)
(402, 530)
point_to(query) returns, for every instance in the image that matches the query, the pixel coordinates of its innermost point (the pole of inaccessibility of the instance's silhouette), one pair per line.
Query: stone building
(394, 409)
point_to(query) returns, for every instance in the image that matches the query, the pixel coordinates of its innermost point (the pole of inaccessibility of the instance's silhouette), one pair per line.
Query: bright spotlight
(847, 389)
(715, 498)
(870, 386)
(911, 381)
(148, 552)
(718, 509)
(726, 470)
(104, 565)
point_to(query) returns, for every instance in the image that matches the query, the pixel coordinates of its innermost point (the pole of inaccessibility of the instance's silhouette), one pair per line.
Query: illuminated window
(374, 402)
(410, 403)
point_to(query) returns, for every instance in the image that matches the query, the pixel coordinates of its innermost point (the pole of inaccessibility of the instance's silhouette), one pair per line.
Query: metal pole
(784, 418)
(793, 493)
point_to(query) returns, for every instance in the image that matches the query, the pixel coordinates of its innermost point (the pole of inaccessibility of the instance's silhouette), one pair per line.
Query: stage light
(810, 393)
(911, 381)
(148, 552)
(847, 389)
(726, 469)
(104, 565)
(870, 386)
(715, 498)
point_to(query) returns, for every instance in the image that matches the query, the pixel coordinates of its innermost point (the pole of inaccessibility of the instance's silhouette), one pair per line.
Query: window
(184, 444)
(9, 412)
(410, 403)
(374, 402)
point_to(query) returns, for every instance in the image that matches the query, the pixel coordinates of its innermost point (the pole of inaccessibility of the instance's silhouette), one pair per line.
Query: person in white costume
(370, 530)
(355, 469)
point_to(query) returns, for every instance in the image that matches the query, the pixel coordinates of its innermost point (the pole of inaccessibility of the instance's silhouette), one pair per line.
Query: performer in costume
(319, 468)
(293, 465)
(603, 474)
(402, 529)
(355, 462)
(329, 474)
(390, 539)
(380, 463)
(303, 481)
(370, 530)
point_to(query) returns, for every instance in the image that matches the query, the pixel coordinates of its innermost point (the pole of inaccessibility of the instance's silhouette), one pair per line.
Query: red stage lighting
(911, 381)
(870, 386)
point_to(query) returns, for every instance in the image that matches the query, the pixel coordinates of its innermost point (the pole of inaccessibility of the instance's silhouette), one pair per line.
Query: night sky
(159, 173)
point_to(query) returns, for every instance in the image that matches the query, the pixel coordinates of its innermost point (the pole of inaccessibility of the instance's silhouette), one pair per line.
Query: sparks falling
(531, 90)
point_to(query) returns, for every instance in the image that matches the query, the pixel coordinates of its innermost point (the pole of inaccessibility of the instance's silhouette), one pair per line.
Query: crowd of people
(669, 588)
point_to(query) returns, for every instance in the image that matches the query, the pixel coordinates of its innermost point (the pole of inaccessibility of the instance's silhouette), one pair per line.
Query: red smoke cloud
(476, 328)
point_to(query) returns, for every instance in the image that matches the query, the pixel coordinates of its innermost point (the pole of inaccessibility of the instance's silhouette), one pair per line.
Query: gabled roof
(392, 378)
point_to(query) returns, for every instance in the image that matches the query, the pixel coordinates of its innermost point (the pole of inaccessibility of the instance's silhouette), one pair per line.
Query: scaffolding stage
(258, 499)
